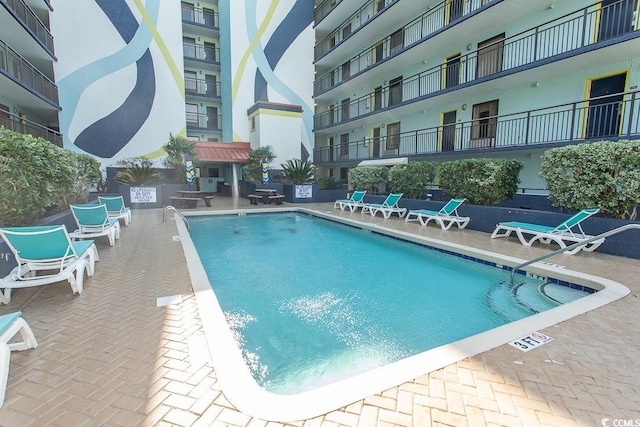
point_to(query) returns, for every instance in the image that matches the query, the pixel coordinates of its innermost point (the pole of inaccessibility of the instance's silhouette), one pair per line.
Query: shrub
(412, 178)
(141, 174)
(602, 174)
(37, 176)
(252, 170)
(298, 171)
(329, 183)
(481, 181)
(370, 178)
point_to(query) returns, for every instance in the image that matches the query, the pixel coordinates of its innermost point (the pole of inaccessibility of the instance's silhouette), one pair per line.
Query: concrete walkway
(111, 357)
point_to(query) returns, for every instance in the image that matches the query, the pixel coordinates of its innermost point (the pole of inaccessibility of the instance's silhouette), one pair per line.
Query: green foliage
(412, 178)
(481, 181)
(177, 148)
(370, 178)
(298, 171)
(329, 183)
(37, 176)
(139, 175)
(252, 170)
(88, 176)
(603, 174)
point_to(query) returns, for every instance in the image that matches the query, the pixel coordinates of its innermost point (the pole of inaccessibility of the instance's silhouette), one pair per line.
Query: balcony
(30, 21)
(612, 117)
(420, 29)
(204, 88)
(582, 31)
(20, 125)
(324, 8)
(201, 53)
(199, 16)
(204, 122)
(20, 70)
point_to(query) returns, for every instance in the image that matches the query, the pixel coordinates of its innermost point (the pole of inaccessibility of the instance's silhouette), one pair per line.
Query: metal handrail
(573, 246)
(172, 208)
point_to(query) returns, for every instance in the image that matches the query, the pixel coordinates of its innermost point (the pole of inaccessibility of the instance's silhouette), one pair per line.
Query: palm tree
(177, 148)
(252, 170)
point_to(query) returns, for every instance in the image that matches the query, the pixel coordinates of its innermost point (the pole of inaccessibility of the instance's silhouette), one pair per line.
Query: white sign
(304, 191)
(143, 194)
(531, 341)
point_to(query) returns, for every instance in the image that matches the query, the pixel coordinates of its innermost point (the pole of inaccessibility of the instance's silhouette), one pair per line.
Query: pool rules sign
(531, 341)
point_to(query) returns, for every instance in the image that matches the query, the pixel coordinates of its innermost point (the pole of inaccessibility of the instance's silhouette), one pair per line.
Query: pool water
(311, 301)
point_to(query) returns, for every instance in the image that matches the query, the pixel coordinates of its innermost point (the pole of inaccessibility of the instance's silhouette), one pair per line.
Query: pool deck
(112, 357)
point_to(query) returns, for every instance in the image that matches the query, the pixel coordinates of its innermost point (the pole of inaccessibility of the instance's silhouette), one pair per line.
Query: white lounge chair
(116, 208)
(354, 202)
(388, 207)
(565, 234)
(93, 221)
(10, 325)
(46, 255)
(445, 217)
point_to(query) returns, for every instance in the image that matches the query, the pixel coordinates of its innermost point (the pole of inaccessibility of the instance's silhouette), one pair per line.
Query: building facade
(480, 78)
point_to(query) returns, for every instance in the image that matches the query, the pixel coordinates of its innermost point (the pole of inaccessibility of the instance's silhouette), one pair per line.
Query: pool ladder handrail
(573, 246)
(172, 208)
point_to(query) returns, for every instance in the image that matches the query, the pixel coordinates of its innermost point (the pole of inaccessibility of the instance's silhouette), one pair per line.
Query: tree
(177, 148)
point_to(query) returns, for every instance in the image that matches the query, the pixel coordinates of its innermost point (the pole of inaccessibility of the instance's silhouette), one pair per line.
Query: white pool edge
(241, 390)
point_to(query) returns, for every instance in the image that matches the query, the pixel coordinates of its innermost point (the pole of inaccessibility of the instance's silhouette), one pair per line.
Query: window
(393, 139)
(397, 41)
(379, 5)
(213, 139)
(483, 128)
(213, 173)
(188, 12)
(253, 123)
(209, 52)
(344, 174)
(189, 47)
(395, 91)
(346, 30)
(190, 81)
(192, 114)
(209, 17)
(344, 146)
(490, 56)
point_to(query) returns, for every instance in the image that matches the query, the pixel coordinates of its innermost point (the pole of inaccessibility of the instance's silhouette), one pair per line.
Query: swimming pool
(242, 390)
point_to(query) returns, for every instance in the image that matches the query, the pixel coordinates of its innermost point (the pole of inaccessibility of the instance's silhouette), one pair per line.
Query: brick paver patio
(111, 357)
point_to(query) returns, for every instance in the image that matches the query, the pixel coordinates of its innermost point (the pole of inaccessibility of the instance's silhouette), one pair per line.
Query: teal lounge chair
(46, 255)
(93, 221)
(116, 208)
(10, 325)
(565, 234)
(354, 202)
(388, 207)
(445, 217)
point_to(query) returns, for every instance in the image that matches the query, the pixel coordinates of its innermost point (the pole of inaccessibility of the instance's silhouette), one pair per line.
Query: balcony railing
(201, 87)
(324, 8)
(418, 30)
(360, 17)
(200, 16)
(22, 71)
(24, 126)
(203, 121)
(571, 32)
(209, 54)
(31, 21)
(609, 117)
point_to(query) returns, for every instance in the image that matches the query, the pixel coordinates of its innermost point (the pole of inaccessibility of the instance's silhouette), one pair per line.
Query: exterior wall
(279, 129)
(271, 56)
(120, 76)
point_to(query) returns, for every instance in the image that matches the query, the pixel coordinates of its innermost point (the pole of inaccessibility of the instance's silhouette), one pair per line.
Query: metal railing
(202, 87)
(569, 33)
(590, 119)
(515, 269)
(209, 54)
(21, 70)
(31, 21)
(203, 121)
(418, 30)
(324, 8)
(364, 14)
(24, 126)
(177, 212)
(201, 16)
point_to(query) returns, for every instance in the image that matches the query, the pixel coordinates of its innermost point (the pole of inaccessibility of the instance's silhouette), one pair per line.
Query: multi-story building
(28, 92)
(400, 80)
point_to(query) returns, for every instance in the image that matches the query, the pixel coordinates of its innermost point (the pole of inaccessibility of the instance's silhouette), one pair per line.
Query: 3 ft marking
(531, 341)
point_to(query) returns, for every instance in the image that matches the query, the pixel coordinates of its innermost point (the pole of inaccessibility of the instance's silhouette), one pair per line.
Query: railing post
(573, 121)
(631, 108)
(535, 45)
(526, 135)
(584, 27)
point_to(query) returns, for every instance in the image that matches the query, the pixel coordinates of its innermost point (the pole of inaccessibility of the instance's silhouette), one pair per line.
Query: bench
(279, 198)
(184, 202)
(253, 198)
(207, 200)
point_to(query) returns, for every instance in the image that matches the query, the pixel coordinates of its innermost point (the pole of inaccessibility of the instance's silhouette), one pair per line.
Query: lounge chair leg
(5, 357)
(5, 296)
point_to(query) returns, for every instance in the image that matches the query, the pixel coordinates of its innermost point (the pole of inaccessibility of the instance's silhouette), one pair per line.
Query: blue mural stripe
(120, 15)
(298, 18)
(110, 134)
